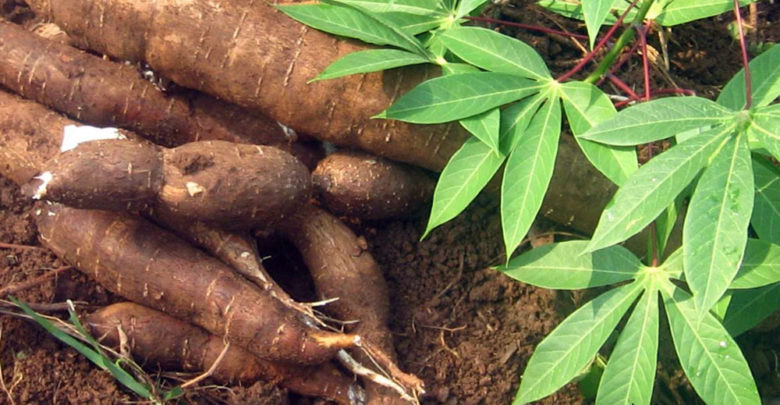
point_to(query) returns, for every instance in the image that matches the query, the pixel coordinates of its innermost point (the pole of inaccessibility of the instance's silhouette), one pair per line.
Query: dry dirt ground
(464, 328)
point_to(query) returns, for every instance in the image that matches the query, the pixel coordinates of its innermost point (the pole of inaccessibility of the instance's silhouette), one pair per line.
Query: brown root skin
(235, 186)
(150, 266)
(369, 187)
(243, 66)
(162, 342)
(342, 267)
(104, 93)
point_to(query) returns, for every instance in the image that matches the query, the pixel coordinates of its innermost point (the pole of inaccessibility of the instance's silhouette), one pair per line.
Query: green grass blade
(749, 307)
(586, 106)
(467, 172)
(628, 378)
(96, 358)
(563, 266)
(369, 61)
(760, 266)
(716, 225)
(454, 97)
(528, 172)
(594, 13)
(350, 22)
(766, 206)
(495, 52)
(514, 121)
(683, 11)
(764, 79)
(654, 187)
(708, 354)
(658, 119)
(569, 348)
(485, 127)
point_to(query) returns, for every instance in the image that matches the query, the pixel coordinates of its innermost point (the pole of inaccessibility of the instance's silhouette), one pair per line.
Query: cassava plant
(724, 278)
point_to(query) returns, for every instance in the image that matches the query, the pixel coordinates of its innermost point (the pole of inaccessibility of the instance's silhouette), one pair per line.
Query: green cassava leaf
(495, 52)
(673, 265)
(716, 225)
(485, 127)
(665, 223)
(528, 172)
(747, 308)
(465, 7)
(760, 266)
(658, 119)
(628, 378)
(467, 172)
(594, 13)
(410, 7)
(708, 354)
(683, 11)
(514, 121)
(585, 107)
(563, 266)
(764, 79)
(569, 348)
(351, 22)
(453, 97)
(371, 60)
(765, 126)
(457, 68)
(766, 207)
(654, 187)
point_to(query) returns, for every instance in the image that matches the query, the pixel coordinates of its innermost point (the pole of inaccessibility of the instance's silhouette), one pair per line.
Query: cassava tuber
(217, 182)
(155, 339)
(145, 264)
(369, 187)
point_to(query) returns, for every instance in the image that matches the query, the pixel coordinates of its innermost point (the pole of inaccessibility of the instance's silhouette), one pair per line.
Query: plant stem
(623, 86)
(626, 37)
(642, 30)
(528, 27)
(603, 41)
(745, 63)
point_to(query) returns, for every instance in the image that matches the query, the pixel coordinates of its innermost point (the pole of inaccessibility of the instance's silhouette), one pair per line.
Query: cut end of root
(73, 135)
(36, 188)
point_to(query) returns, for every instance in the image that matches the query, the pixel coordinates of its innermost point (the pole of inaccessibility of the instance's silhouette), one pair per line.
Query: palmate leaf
(467, 6)
(495, 52)
(453, 97)
(586, 106)
(514, 121)
(467, 172)
(715, 228)
(628, 378)
(683, 11)
(569, 348)
(764, 79)
(760, 266)
(766, 205)
(371, 60)
(765, 126)
(528, 171)
(563, 266)
(485, 127)
(708, 354)
(654, 187)
(411, 7)
(658, 119)
(594, 13)
(351, 22)
(747, 308)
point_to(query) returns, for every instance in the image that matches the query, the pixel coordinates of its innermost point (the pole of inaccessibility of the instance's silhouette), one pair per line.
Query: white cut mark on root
(45, 178)
(289, 133)
(194, 189)
(73, 135)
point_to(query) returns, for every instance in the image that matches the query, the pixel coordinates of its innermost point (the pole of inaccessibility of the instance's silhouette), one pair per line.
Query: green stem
(625, 38)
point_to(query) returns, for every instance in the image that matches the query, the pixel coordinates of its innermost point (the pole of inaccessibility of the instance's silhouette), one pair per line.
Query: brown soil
(466, 330)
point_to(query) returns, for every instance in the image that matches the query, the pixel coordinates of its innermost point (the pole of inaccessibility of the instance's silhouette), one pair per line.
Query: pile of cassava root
(163, 211)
